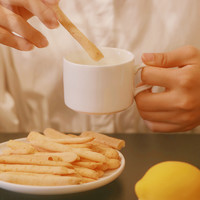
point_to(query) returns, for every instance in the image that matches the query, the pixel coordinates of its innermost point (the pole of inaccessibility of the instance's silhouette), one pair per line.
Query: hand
(178, 107)
(13, 19)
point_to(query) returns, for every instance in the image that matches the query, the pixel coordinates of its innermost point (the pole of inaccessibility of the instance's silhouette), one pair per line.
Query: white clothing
(31, 88)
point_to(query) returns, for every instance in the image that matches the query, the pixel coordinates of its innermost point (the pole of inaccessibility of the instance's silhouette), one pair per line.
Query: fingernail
(28, 47)
(148, 57)
(43, 43)
(148, 124)
(54, 23)
(25, 46)
(52, 1)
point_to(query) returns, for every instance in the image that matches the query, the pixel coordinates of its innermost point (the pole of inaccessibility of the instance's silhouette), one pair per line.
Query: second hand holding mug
(102, 87)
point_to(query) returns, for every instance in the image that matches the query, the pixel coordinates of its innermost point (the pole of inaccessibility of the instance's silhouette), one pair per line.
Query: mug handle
(143, 87)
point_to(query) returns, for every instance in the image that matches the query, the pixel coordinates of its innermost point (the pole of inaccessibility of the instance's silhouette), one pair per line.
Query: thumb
(179, 57)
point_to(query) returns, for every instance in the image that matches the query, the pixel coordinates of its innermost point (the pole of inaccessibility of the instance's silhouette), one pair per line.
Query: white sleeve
(8, 118)
(11, 98)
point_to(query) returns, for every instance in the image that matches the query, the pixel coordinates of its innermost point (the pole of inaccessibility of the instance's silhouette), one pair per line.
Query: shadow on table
(108, 192)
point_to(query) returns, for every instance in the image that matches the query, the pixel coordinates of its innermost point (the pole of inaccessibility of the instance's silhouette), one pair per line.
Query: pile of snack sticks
(54, 158)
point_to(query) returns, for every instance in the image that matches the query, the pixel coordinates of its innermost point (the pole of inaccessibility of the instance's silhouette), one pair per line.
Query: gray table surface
(141, 152)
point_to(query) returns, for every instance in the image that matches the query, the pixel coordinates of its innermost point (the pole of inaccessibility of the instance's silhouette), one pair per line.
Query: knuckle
(29, 4)
(188, 128)
(186, 104)
(143, 115)
(191, 51)
(23, 45)
(3, 35)
(186, 119)
(163, 59)
(45, 12)
(46, 15)
(140, 104)
(185, 80)
(14, 20)
(26, 3)
(183, 119)
(143, 75)
(42, 11)
(32, 36)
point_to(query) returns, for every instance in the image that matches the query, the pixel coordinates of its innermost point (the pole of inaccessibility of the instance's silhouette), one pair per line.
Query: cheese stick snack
(39, 179)
(55, 158)
(107, 151)
(39, 140)
(62, 138)
(93, 156)
(64, 156)
(59, 170)
(104, 139)
(113, 163)
(86, 172)
(88, 164)
(43, 142)
(21, 147)
(54, 134)
(89, 47)
(30, 159)
(16, 152)
(76, 140)
(85, 145)
(100, 173)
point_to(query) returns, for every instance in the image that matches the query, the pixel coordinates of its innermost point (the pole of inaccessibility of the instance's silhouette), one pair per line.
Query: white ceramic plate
(108, 177)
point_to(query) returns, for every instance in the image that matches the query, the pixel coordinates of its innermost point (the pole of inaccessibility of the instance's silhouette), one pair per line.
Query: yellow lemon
(170, 180)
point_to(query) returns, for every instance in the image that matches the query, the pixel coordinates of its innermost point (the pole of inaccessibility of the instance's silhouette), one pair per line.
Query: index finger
(186, 55)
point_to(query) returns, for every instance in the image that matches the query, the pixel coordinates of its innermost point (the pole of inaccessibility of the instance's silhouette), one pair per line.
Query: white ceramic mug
(102, 87)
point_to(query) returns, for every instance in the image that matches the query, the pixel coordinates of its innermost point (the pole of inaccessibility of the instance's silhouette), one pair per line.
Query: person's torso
(136, 25)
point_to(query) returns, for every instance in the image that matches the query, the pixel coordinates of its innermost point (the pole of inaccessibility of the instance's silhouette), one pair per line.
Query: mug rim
(131, 59)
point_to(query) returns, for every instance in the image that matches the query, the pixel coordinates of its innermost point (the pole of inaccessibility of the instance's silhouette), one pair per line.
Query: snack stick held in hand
(89, 47)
